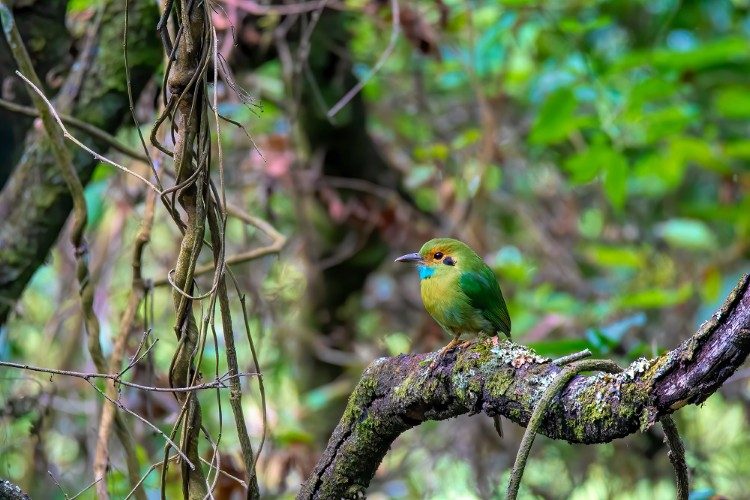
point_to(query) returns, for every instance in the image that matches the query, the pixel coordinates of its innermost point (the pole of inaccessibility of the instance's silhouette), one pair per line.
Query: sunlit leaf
(555, 120)
(615, 256)
(733, 102)
(615, 181)
(738, 149)
(585, 166)
(655, 298)
(719, 51)
(687, 233)
(711, 289)
(591, 223)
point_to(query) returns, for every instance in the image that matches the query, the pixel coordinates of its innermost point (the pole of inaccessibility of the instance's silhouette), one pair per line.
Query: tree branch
(396, 394)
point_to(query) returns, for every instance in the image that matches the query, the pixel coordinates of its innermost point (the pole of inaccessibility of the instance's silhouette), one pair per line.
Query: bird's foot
(465, 343)
(441, 353)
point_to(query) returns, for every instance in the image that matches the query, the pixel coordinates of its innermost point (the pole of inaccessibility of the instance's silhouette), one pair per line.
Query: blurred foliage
(595, 153)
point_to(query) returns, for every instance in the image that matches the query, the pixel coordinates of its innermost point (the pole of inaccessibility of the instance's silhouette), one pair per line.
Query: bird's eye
(448, 261)
(438, 255)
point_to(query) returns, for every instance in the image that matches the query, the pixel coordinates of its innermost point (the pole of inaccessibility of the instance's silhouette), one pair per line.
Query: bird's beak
(410, 257)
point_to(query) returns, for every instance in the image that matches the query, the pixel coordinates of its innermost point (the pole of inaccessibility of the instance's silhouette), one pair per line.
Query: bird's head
(441, 255)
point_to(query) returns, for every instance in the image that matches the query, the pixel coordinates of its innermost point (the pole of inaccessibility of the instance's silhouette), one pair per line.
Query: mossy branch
(396, 394)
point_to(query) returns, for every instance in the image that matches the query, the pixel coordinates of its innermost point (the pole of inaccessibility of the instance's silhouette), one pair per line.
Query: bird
(459, 290)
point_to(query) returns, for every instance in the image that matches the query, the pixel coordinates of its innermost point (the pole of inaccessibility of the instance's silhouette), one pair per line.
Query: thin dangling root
(676, 456)
(498, 425)
(676, 450)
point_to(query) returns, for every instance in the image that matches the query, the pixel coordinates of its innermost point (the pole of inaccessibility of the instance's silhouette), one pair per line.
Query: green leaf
(732, 102)
(467, 138)
(656, 298)
(585, 166)
(739, 149)
(397, 343)
(493, 177)
(711, 288)
(715, 52)
(438, 151)
(290, 435)
(687, 233)
(697, 151)
(615, 256)
(657, 173)
(615, 181)
(555, 120)
(591, 223)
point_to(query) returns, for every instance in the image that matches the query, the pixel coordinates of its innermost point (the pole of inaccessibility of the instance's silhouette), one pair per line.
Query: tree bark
(35, 202)
(42, 26)
(10, 491)
(502, 378)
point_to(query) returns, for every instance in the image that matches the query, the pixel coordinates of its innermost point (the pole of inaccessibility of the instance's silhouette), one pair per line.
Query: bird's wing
(484, 293)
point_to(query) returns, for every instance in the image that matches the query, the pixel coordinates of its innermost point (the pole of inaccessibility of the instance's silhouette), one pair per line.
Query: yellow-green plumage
(459, 290)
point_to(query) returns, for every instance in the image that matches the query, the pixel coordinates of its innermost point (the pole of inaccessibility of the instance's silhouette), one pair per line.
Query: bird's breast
(441, 296)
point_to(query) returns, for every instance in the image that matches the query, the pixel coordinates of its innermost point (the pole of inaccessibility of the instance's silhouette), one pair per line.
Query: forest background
(596, 154)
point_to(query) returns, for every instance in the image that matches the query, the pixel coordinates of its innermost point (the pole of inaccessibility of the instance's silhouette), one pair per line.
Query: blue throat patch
(425, 272)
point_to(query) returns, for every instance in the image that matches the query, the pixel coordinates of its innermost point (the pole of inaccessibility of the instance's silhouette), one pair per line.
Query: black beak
(410, 257)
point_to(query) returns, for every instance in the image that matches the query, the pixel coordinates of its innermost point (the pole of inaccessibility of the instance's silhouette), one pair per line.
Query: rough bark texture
(186, 84)
(42, 26)
(35, 202)
(10, 491)
(396, 394)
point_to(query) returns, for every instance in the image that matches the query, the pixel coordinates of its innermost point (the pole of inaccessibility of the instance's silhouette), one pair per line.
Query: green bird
(459, 290)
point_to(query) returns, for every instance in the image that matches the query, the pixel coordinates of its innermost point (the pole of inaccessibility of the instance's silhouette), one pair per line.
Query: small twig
(78, 143)
(84, 490)
(137, 355)
(571, 358)
(395, 29)
(145, 421)
(87, 128)
(261, 385)
(226, 474)
(218, 383)
(235, 399)
(96, 481)
(58, 485)
(149, 471)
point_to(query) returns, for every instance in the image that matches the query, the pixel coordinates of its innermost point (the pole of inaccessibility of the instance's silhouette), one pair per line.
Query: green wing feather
(484, 294)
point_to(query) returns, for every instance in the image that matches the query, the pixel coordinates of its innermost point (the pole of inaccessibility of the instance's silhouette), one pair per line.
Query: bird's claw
(465, 343)
(453, 344)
